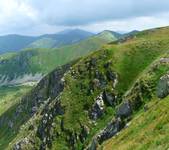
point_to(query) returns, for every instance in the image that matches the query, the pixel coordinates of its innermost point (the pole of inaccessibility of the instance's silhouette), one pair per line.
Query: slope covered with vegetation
(32, 64)
(9, 96)
(148, 127)
(147, 130)
(74, 106)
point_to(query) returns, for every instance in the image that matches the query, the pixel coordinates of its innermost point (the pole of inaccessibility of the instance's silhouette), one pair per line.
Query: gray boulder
(163, 86)
(111, 129)
(111, 76)
(109, 99)
(124, 110)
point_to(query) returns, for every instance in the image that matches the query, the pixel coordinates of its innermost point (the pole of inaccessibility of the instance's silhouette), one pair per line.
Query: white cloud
(125, 25)
(16, 15)
(40, 16)
(12, 10)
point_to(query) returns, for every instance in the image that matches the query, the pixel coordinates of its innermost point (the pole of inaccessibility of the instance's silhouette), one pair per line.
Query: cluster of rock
(98, 108)
(134, 100)
(123, 112)
(44, 131)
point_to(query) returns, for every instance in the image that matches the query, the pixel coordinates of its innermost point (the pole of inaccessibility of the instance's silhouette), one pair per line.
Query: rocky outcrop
(103, 100)
(101, 78)
(163, 86)
(111, 129)
(97, 108)
(125, 110)
(109, 98)
(45, 94)
(46, 123)
(133, 100)
(49, 87)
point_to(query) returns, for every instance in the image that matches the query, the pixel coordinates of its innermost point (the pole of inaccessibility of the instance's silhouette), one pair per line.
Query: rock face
(112, 128)
(124, 110)
(45, 126)
(97, 108)
(46, 93)
(108, 98)
(163, 86)
(102, 80)
(105, 98)
(109, 131)
(111, 76)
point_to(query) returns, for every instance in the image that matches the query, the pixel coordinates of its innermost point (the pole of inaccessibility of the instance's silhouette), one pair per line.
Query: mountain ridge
(31, 62)
(92, 105)
(15, 42)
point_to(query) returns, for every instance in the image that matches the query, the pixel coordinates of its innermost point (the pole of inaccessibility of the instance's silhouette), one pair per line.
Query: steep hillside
(32, 64)
(148, 126)
(22, 109)
(13, 43)
(9, 96)
(147, 130)
(88, 101)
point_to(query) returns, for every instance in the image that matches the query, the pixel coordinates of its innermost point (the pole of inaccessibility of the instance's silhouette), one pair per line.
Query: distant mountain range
(42, 56)
(14, 42)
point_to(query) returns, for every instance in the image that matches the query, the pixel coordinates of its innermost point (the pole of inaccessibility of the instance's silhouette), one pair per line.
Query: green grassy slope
(149, 127)
(9, 96)
(147, 130)
(128, 60)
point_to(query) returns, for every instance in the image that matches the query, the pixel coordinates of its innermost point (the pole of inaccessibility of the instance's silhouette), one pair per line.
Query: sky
(36, 17)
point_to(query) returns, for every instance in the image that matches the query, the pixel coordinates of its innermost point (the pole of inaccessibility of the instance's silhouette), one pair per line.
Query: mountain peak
(75, 31)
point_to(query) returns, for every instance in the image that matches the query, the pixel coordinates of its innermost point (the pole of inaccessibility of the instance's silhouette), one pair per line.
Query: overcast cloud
(34, 17)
